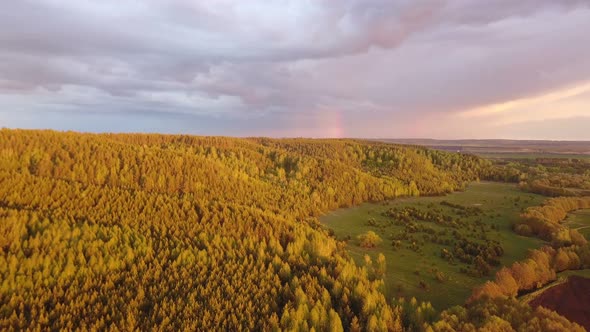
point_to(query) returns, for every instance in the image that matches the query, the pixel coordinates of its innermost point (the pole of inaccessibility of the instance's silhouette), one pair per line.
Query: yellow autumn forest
(176, 232)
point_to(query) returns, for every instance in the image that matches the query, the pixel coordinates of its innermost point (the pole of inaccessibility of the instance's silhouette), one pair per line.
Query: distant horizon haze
(410, 140)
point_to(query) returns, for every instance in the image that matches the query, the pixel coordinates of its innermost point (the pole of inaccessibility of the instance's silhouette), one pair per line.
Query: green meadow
(580, 273)
(580, 220)
(414, 269)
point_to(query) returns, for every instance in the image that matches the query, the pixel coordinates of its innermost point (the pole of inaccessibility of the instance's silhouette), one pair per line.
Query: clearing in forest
(438, 249)
(580, 220)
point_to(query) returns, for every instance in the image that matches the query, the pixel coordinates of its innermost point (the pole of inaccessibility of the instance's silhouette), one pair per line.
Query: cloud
(514, 106)
(291, 67)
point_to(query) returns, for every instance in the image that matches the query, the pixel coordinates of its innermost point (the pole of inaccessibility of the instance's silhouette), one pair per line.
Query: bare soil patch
(570, 299)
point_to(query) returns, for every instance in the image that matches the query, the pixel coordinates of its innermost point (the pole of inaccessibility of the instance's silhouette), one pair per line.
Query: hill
(181, 232)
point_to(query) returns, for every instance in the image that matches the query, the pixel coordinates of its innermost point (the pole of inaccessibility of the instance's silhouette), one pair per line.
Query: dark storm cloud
(355, 64)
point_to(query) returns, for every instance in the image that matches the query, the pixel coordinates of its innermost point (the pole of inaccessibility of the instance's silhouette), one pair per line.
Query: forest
(177, 232)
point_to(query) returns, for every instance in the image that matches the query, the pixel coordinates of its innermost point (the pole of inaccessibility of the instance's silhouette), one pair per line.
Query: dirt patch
(570, 299)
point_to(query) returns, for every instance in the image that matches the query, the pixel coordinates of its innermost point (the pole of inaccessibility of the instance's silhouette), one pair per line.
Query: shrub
(440, 277)
(523, 229)
(423, 285)
(369, 240)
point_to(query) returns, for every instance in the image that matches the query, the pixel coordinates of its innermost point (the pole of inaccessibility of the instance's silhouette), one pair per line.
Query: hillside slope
(183, 232)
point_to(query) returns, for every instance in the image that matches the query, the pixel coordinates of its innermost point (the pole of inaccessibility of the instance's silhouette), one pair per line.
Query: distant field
(524, 155)
(580, 220)
(500, 204)
(515, 149)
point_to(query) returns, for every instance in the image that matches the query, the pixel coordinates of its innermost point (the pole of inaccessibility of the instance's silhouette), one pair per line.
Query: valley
(419, 271)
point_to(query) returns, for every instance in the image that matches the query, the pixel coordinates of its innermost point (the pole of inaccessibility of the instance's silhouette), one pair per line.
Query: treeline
(545, 221)
(553, 177)
(537, 270)
(557, 186)
(569, 251)
(140, 232)
(501, 314)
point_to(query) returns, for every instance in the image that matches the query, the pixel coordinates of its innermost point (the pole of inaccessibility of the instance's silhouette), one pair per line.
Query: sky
(299, 68)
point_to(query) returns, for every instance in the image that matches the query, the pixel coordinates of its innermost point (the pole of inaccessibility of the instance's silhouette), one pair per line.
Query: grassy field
(529, 155)
(499, 205)
(580, 220)
(580, 273)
